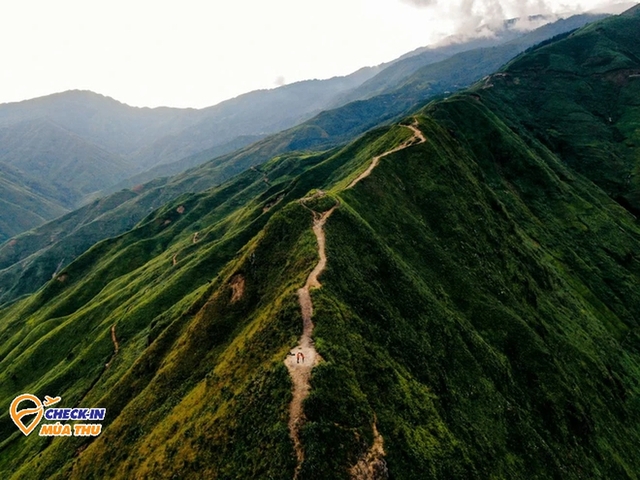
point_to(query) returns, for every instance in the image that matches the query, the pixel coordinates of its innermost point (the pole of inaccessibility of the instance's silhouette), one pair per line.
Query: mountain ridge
(478, 310)
(327, 130)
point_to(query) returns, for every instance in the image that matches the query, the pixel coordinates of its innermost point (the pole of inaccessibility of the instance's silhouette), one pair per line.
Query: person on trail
(300, 356)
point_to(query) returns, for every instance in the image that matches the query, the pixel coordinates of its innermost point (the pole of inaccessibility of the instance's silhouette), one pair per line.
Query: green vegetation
(579, 97)
(479, 305)
(21, 206)
(175, 140)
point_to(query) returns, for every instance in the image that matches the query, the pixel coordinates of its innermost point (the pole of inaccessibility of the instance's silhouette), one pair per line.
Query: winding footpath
(417, 138)
(116, 345)
(372, 464)
(300, 370)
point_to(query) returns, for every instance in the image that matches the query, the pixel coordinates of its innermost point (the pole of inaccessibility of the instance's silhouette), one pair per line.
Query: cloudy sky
(195, 53)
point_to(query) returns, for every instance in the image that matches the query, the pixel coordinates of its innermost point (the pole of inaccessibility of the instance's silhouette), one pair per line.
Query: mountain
(58, 158)
(28, 263)
(80, 143)
(174, 168)
(259, 112)
(146, 137)
(471, 289)
(89, 145)
(510, 34)
(586, 108)
(24, 204)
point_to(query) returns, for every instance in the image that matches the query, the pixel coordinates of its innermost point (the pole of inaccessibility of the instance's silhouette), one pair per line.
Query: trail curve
(417, 138)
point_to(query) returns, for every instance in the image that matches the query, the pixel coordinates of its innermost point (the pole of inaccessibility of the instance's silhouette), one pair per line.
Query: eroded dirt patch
(372, 465)
(237, 287)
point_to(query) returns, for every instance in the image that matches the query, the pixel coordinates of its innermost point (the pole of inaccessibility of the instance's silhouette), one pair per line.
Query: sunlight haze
(196, 53)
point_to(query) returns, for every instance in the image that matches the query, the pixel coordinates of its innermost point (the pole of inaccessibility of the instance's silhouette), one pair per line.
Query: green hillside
(24, 203)
(477, 316)
(28, 263)
(580, 98)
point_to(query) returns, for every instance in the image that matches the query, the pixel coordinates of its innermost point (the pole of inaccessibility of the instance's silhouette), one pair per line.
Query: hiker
(300, 356)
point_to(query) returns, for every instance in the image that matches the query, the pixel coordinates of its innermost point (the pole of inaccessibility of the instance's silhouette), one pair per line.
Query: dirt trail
(372, 464)
(300, 371)
(417, 138)
(116, 345)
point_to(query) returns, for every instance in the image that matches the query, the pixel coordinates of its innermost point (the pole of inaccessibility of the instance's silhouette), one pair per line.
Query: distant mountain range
(80, 143)
(68, 148)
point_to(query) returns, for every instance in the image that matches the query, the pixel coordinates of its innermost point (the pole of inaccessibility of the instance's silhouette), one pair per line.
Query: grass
(479, 304)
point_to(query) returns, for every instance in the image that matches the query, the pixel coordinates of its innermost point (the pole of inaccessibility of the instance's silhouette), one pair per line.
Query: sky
(194, 53)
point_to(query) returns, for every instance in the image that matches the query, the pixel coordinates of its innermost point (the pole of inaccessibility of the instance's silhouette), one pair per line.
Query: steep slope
(458, 316)
(580, 98)
(478, 316)
(226, 220)
(472, 324)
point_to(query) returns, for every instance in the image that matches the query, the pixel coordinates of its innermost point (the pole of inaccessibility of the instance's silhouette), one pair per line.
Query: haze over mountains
(82, 145)
(476, 313)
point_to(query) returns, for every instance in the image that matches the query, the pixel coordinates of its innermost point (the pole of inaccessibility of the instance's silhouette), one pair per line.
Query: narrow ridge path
(300, 369)
(417, 138)
(372, 464)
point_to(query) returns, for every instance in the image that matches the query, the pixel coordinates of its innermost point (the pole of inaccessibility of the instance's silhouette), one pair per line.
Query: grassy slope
(457, 308)
(580, 98)
(480, 304)
(170, 327)
(22, 208)
(326, 130)
(492, 332)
